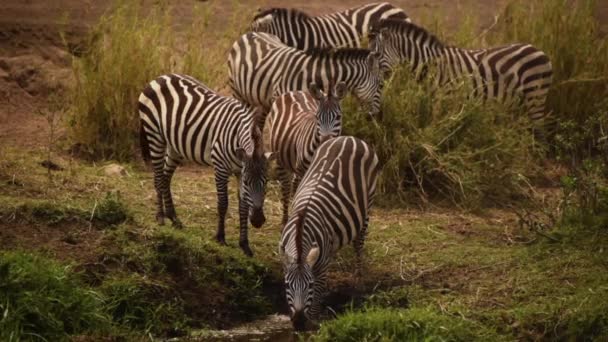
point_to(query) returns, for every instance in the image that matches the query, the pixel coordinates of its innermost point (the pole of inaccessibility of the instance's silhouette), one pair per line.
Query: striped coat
(340, 29)
(330, 209)
(182, 119)
(299, 122)
(496, 73)
(261, 68)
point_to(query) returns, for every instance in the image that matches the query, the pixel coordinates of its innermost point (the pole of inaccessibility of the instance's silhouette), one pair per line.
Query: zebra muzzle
(257, 218)
(298, 320)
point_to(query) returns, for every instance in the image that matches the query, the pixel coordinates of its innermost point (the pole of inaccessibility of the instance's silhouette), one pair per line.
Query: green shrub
(111, 210)
(43, 300)
(584, 201)
(416, 324)
(445, 144)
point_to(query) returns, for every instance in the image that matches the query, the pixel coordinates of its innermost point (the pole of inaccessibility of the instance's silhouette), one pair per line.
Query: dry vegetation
(538, 273)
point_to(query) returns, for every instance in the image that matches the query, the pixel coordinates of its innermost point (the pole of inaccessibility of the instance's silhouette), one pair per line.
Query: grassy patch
(109, 211)
(41, 299)
(141, 304)
(417, 324)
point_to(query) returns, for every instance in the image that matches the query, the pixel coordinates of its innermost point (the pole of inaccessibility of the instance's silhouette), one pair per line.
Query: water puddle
(275, 328)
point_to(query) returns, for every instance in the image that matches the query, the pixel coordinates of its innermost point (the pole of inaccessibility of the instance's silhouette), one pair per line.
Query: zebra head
(389, 54)
(263, 21)
(400, 41)
(253, 176)
(299, 287)
(329, 113)
(369, 87)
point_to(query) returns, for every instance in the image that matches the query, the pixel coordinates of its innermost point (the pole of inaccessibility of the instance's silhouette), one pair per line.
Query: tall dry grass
(132, 45)
(569, 33)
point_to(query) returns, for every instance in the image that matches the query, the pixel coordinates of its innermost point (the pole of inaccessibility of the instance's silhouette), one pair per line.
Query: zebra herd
(297, 68)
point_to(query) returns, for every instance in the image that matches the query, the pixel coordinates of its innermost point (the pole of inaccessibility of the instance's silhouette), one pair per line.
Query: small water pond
(275, 328)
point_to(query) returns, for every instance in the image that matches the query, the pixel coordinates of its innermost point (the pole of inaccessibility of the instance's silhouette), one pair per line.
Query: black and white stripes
(261, 68)
(299, 122)
(330, 209)
(339, 29)
(500, 73)
(183, 119)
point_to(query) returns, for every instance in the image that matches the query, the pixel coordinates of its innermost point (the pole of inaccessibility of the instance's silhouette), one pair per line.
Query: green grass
(416, 324)
(43, 300)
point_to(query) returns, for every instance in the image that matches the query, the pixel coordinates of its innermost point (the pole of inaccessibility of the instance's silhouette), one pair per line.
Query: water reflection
(272, 328)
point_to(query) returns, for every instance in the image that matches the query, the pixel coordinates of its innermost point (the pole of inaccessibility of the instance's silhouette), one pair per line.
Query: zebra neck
(244, 132)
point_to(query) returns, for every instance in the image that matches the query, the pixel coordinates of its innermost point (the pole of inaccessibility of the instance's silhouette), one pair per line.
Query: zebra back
(330, 209)
(496, 73)
(262, 68)
(180, 112)
(333, 200)
(339, 29)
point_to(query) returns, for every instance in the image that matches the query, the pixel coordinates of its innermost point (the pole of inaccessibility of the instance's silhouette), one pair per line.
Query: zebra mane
(288, 12)
(299, 233)
(340, 53)
(401, 26)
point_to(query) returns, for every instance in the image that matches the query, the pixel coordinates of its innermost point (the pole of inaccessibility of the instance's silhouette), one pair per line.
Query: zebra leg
(320, 290)
(158, 164)
(358, 245)
(172, 161)
(296, 182)
(285, 180)
(243, 220)
(221, 184)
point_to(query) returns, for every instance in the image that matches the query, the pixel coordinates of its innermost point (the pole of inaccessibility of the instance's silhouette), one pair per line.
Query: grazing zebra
(498, 72)
(299, 123)
(330, 209)
(262, 68)
(341, 29)
(183, 119)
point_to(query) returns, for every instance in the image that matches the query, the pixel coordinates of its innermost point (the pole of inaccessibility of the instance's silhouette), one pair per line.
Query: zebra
(262, 68)
(330, 209)
(299, 122)
(340, 29)
(497, 72)
(182, 119)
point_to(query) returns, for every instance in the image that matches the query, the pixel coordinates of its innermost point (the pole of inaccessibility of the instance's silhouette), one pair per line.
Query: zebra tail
(143, 142)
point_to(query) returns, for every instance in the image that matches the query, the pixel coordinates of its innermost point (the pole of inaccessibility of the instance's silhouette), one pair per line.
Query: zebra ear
(340, 91)
(373, 61)
(270, 156)
(315, 91)
(313, 256)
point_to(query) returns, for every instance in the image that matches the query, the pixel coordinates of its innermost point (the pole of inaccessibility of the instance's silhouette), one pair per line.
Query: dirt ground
(34, 62)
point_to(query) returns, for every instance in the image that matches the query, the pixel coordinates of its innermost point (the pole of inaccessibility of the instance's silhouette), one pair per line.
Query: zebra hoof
(178, 224)
(160, 219)
(248, 252)
(221, 240)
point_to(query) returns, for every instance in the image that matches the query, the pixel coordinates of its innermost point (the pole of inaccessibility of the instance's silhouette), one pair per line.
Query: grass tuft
(416, 324)
(43, 300)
